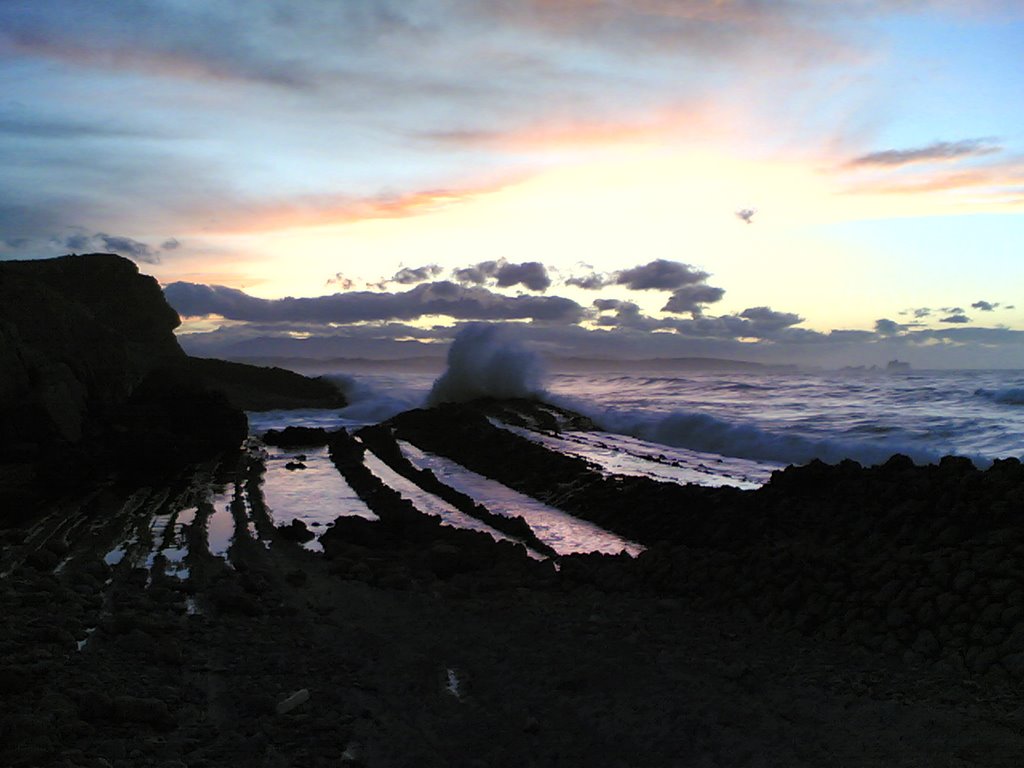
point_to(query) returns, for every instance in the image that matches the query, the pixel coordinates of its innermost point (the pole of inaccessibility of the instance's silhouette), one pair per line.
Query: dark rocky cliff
(92, 379)
(258, 388)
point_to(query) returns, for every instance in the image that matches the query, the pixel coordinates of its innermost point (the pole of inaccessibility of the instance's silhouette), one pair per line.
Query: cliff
(92, 379)
(258, 388)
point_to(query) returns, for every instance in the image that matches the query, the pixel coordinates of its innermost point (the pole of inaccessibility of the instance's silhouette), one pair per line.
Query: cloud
(443, 298)
(125, 246)
(885, 327)
(62, 129)
(344, 283)
(413, 275)
(768, 320)
(591, 282)
(198, 42)
(477, 274)
(985, 306)
(958, 318)
(660, 275)
(692, 298)
(171, 244)
(504, 274)
(940, 150)
(918, 312)
(532, 274)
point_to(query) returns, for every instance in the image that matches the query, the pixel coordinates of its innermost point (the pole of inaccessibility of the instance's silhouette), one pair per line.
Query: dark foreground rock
(257, 388)
(408, 643)
(296, 437)
(92, 381)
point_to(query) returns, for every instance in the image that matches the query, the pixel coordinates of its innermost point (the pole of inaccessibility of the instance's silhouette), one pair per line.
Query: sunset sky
(401, 167)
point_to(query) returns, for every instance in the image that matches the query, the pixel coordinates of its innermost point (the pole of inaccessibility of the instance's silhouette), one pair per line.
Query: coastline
(422, 644)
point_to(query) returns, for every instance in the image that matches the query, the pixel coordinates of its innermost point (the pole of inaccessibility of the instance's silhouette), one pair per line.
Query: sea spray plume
(484, 362)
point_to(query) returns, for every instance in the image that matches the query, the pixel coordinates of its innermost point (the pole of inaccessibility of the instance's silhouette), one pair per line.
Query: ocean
(772, 418)
(707, 428)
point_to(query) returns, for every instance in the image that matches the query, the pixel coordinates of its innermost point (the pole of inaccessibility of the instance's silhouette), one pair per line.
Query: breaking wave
(372, 403)
(710, 434)
(484, 361)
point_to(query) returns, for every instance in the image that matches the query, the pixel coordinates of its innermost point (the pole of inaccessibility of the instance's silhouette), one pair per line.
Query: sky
(821, 183)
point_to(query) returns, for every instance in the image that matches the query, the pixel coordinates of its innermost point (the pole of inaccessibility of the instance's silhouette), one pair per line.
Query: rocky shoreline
(407, 642)
(157, 614)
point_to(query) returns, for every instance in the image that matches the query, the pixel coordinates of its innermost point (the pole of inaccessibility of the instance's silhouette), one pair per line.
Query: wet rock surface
(862, 617)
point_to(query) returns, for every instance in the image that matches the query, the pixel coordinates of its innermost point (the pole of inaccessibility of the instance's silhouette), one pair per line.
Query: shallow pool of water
(558, 529)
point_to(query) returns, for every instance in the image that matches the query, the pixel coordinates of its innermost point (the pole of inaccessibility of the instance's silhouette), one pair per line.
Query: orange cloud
(332, 210)
(995, 182)
(695, 121)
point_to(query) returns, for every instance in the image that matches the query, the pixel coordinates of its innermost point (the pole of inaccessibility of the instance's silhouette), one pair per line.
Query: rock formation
(92, 379)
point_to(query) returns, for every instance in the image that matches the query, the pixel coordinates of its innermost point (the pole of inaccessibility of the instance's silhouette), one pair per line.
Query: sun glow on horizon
(624, 205)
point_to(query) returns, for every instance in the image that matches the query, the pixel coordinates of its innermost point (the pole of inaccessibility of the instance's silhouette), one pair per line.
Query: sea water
(777, 417)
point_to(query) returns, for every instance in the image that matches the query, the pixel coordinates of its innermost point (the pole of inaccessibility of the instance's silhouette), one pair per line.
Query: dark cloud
(692, 298)
(885, 327)
(504, 274)
(766, 319)
(956, 318)
(940, 150)
(592, 282)
(443, 298)
(660, 275)
(477, 274)
(607, 305)
(627, 315)
(918, 312)
(171, 244)
(532, 274)
(125, 246)
(985, 306)
(413, 275)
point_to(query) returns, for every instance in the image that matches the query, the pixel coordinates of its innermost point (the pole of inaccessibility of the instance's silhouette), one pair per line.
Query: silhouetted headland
(93, 381)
